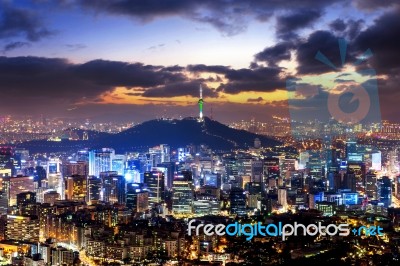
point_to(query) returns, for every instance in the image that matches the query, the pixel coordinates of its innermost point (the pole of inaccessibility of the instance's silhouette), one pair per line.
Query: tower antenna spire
(200, 102)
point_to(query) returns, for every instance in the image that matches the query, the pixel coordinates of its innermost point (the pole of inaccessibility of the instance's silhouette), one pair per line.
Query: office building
(237, 198)
(100, 161)
(137, 199)
(19, 185)
(154, 181)
(24, 228)
(384, 191)
(182, 194)
(282, 197)
(113, 187)
(371, 188)
(77, 188)
(51, 197)
(75, 168)
(119, 164)
(55, 180)
(94, 189)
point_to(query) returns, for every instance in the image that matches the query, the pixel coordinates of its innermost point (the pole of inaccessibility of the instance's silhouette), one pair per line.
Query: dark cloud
(114, 73)
(16, 22)
(288, 24)
(212, 69)
(14, 45)
(255, 100)
(175, 68)
(347, 29)
(230, 17)
(275, 54)
(338, 25)
(322, 41)
(384, 40)
(188, 88)
(259, 79)
(47, 78)
(57, 83)
(373, 5)
(52, 82)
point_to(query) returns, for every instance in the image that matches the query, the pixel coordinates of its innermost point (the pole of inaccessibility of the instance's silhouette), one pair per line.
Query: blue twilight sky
(136, 60)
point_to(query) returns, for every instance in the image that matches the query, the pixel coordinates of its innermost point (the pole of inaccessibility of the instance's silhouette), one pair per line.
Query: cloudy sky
(137, 60)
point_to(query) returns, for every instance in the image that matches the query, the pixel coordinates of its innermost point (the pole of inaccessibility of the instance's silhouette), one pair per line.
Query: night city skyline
(134, 61)
(199, 132)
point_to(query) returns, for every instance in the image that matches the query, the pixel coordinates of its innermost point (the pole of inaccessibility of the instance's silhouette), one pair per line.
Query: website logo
(328, 105)
(281, 230)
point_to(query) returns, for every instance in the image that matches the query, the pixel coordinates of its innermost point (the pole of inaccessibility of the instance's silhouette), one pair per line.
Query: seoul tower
(201, 104)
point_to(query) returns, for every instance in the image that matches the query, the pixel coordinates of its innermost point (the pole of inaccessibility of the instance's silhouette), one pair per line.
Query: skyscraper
(25, 228)
(100, 161)
(384, 188)
(75, 168)
(118, 163)
(282, 197)
(113, 188)
(370, 186)
(137, 199)
(77, 187)
(19, 185)
(182, 195)
(94, 188)
(54, 176)
(155, 185)
(237, 198)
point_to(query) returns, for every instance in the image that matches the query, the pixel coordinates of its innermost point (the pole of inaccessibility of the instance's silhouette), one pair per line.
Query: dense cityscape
(100, 207)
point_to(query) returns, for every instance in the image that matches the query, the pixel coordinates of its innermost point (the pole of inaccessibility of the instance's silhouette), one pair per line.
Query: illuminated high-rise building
(75, 168)
(137, 199)
(155, 186)
(212, 179)
(94, 189)
(62, 256)
(54, 177)
(231, 167)
(359, 171)
(370, 186)
(165, 153)
(26, 203)
(384, 190)
(7, 158)
(3, 203)
(26, 198)
(76, 188)
(168, 168)
(182, 194)
(51, 197)
(282, 197)
(113, 187)
(23, 228)
(100, 161)
(238, 200)
(19, 185)
(119, 164)
(396, 181)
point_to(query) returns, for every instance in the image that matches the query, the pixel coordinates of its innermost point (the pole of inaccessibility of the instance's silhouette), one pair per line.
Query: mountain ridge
(174, 132)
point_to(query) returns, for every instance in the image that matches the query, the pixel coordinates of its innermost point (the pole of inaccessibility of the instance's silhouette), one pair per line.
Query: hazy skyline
(136, 60)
